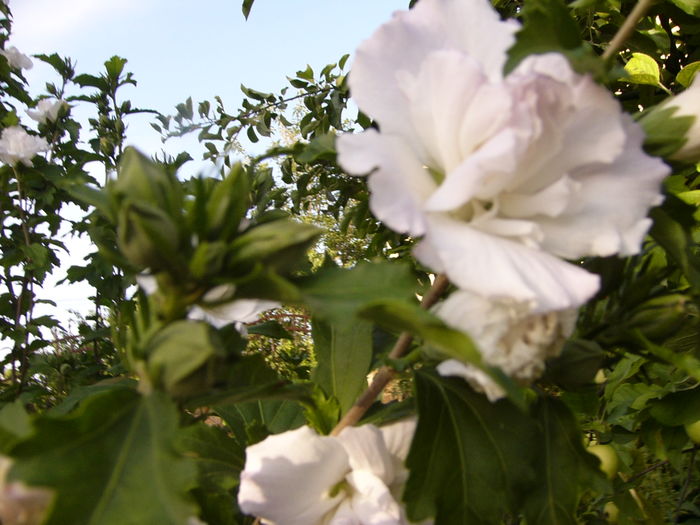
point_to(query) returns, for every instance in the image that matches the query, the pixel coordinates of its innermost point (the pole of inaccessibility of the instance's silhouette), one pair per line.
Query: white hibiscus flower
(301, 478)
(18, 146)
(502, 177)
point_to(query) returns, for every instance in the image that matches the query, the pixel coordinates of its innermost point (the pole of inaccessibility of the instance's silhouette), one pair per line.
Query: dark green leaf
(678, 408)
(469, 458)
(247, 4)
(110, 463)
(344, 356)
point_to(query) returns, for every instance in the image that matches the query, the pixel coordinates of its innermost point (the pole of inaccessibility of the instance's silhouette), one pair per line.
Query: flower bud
(659, 317)
(672, 127)
(147, 237)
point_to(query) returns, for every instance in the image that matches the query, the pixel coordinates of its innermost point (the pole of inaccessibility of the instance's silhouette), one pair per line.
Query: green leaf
(270, 329)
(14, 425)
(179, 350)
(686, 75)
(577, 364)
(642, 69)
(678, 408)
(247, 4)
(547, 26)
(335, 294)
(692, 7)
(562, 465)
(671, 229)
(344, 356)
(320, 148)
(664, 133)
(276, 415)
(110, 463)
(469, 458)
(219, 457)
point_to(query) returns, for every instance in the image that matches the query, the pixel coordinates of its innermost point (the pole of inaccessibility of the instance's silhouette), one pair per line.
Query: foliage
(142, 414)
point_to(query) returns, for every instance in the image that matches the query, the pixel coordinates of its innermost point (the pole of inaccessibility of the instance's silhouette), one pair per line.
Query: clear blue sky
(181, 48)
(198, 48)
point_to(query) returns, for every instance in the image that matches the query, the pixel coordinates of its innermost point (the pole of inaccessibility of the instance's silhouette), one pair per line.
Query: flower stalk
(627, 28)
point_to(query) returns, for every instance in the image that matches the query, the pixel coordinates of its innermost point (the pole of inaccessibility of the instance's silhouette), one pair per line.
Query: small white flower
(301, 478)
(508, 335)
(16, 59)
(16, 145)
(20, 504)
(501, 177)
(46, 110)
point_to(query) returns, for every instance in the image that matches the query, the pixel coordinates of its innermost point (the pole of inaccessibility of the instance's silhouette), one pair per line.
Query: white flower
(16, 59)
(508, 336)
(501, 177)
(19, 504)
(46, 110)
(301, 478)
(16, 145)
(216, 307)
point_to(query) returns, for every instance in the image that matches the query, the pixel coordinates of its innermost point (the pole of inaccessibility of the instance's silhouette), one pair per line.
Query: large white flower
(16, 145)
(500, 176)
(47, 110)
(16, 58)
(20, 504)
(301, 478)
(507, 334)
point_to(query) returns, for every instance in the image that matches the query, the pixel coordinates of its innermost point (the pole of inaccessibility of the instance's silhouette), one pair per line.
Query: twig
(386, 373)
(627, 28)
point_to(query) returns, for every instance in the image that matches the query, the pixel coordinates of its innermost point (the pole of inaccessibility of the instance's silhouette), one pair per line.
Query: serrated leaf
(344, 355)
(14, 425)
(274, 414)
(468, 460)
(642, 69)
(563, 467)
(110, 463)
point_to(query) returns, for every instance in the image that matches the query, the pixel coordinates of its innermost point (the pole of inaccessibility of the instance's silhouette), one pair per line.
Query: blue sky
(181, 48)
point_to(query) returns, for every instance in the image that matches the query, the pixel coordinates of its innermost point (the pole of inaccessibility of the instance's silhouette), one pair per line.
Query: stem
(627, 28)
(386, 373)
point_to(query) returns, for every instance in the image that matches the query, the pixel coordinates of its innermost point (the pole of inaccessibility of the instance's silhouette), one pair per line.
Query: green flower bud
(659, 317)
(147, 237)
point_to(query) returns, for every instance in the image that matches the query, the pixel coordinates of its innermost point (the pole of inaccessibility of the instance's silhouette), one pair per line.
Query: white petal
(398, 436)
(372, 501)
(472, 27)
(608, 215)
(367, 451)
(288, 477)
(399, 186)
(500, 268)
(479, 380)
(147, 282)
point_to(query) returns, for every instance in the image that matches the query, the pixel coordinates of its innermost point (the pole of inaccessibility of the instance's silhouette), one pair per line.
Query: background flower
(16, 145)
(47, 109)
(16, 58)
(501, 177)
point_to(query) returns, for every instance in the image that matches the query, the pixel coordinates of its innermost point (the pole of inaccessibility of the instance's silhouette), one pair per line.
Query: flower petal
(399, 186)
(270, 483)
(500, 268)
(366, 451)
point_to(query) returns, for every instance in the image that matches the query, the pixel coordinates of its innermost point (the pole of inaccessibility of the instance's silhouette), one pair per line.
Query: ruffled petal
(400, 183)
(270, 482)
(479, 380)
(366, 451)
(500, 268)
(401, 45)
(608, 215)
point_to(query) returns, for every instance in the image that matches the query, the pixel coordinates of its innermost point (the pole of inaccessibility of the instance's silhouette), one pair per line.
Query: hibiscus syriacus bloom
(16, 145)
(501, 176)
(46, 110)
(16, 58)
(301, 478)
(508, 336)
